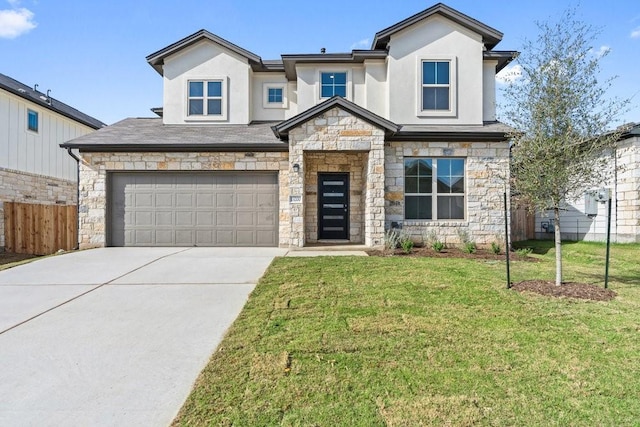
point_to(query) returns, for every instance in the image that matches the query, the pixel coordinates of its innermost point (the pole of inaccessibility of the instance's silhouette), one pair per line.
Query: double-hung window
(434, 188)
(436, 85)
(332, 84)
(32, 120)
(205, 98)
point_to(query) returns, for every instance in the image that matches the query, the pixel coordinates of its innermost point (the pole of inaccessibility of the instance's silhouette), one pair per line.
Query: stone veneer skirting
(22, 187)
(486, 177)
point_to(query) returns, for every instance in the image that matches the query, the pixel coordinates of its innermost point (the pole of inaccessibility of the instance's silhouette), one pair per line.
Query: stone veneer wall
(95, 166)
(486, 168)
(21, 187)
(354, 164)
(628, 191)
(338, 131)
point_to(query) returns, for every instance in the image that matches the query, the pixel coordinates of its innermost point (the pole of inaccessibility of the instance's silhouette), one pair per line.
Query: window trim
(37, 116)
(347, 74)
(434, 194)
(224, 99)
(453, 85)
(265, 95)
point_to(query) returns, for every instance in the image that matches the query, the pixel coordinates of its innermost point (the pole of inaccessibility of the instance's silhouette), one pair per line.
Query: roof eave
(178, 147)
(450, 136)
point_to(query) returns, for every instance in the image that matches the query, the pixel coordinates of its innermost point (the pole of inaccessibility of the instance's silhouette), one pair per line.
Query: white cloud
(604, 49)
(635, 34)
(509, 74)
(14, 23)
(364, 43)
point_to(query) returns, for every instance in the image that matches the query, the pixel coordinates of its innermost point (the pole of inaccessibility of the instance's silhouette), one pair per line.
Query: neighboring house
(587, 218)
(326, 147)
(33, 168)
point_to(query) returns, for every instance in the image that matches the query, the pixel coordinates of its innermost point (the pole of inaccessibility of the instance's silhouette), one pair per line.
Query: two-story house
(33, 168)
(334, 147)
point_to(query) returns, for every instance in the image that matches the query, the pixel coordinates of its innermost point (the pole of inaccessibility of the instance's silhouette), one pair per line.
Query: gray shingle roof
(150, 134)
(39, 98)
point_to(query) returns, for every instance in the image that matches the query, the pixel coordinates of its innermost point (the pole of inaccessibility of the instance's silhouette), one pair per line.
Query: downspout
(77, 159)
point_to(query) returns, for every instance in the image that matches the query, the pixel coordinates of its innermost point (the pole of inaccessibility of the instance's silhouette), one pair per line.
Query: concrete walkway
(116, 336)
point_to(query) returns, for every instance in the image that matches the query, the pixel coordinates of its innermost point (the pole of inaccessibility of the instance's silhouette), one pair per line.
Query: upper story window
(433, 188)
(332, 84)
(206, 98)
(32, 120)
(437, 87)
(274, 95)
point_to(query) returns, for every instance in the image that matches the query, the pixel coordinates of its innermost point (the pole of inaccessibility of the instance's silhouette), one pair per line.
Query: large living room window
(206, 98)
(434, 188)
(332, 84)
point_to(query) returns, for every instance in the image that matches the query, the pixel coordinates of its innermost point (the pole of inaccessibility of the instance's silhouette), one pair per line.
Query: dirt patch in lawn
(480, 254)
(10, 257)
(567, 290)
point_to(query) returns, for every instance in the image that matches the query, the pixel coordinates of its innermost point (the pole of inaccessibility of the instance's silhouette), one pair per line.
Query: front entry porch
(334, 197)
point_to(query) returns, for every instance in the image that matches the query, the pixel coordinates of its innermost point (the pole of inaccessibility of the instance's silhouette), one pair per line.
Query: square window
(32, 120)
(332, 84)
(205, 98)
(274, 95)
(434, 188)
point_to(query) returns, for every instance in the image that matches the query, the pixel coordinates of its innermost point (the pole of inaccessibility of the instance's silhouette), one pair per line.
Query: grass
(417, 341)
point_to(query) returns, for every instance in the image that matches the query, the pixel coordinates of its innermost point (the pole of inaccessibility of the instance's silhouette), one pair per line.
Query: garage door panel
(164, 237)
(193, 208)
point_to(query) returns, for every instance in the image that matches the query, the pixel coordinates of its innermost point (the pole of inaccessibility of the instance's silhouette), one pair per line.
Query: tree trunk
(558, 240)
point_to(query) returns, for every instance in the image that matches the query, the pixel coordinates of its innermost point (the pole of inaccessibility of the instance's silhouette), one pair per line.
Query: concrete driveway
(116, 336)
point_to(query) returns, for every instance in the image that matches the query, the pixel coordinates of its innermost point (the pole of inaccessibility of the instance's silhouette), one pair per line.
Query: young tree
(563, 118)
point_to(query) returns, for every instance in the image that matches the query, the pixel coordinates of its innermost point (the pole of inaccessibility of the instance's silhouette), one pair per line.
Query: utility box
(591, 203)
(547, 226)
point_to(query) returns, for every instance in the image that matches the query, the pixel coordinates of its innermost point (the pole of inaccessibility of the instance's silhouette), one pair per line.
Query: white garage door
(193, 209)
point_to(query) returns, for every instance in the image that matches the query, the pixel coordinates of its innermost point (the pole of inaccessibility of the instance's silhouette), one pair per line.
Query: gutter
(77, 159)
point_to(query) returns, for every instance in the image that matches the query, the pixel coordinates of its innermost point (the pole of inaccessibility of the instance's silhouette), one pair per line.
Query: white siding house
(587, 219)
(33, 168)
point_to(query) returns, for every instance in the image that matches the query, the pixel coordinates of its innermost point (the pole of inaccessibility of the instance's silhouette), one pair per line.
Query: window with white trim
(436, 85)
(274, 95)
(332, 84)
(434, 188)
(32, 120)
(205, 98)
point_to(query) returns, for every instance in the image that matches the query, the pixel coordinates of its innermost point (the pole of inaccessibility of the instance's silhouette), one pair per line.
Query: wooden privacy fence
(39, 229)
(523, 224)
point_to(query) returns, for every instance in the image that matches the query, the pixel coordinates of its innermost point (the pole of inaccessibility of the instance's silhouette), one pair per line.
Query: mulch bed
(567, 290)
(480, 254)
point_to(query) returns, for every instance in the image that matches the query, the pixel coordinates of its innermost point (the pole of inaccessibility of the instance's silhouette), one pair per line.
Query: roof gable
(490, 36)
(282, 129)
(156, 59)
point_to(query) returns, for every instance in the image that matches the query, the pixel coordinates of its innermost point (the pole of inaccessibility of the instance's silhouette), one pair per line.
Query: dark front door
(333, 206)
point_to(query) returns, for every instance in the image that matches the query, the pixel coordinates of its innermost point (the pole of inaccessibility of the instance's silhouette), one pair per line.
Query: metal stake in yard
(606, 265)
(506, 240)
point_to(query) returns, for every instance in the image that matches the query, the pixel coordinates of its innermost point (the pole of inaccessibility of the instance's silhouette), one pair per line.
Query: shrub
(469, 247)
(495, 248)
(437, 246)
(524, 252)
(406, 243)
(391, 239)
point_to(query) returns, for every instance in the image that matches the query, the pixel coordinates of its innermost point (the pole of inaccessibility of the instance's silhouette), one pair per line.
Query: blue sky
(91, 54)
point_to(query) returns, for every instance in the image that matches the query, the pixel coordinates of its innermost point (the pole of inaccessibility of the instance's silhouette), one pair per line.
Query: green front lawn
(350, 341)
